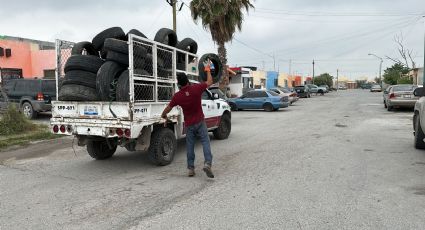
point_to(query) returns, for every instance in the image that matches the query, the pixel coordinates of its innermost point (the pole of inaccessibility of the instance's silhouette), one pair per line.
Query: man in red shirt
(189, 99)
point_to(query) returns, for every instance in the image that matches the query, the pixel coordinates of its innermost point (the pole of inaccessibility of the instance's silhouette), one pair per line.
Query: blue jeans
(193, 131)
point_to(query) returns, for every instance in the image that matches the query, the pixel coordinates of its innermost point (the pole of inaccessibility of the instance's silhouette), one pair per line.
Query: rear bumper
(281, 105)
(402, 103)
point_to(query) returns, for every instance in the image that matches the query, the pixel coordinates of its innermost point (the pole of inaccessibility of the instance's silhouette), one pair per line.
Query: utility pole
(380, 67)
(174, 2)
(264, 66)
(423, 68)
(274, 62)
(337, 79)
(313, 72)
(290, 63)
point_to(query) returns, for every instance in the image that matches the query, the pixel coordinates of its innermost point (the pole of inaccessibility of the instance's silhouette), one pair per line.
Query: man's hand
(207, 65)
(165, 112)
(207, 69)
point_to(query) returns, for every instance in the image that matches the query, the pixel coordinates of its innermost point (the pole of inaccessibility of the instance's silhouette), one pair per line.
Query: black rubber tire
(218, 67)
(165, 73)
(135, 32)
(268, 107)
(28, 111)
(83, 62)
(77, 93)
(166, 36)
(224, 129)
(123, 86)
(79, 77)
(117, 57)
(189, 45)
(120, 46)
(419, 134)
(113, 32)
(162, 147)
(124, 59)
(233, 107)
(108, 73)
(79, 47)
(100, 150)
(321, 92)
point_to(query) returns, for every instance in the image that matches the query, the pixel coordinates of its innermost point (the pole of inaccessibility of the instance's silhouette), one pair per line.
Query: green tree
(324, 79)
(394, 74)
(222, 18)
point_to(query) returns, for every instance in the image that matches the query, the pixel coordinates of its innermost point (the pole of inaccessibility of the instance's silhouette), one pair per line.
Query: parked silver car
(396, 96)
(375, 88)
(292, 96)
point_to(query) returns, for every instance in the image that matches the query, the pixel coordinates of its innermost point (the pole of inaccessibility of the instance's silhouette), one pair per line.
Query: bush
(14, 122)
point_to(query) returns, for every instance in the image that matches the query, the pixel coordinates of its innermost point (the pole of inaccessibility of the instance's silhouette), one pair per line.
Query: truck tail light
(392, 95)
(62, 129)
(120, 132)
(127, 133)
(55, 129)
(40, 96)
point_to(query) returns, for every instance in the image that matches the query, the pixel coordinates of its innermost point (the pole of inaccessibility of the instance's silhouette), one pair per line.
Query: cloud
(298, 30)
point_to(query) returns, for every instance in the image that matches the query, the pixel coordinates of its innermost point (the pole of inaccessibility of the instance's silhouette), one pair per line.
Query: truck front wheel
(223, 130)
(162, 147)
(100, 150)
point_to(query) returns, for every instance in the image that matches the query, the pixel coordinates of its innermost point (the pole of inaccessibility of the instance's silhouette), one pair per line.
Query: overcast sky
(338, 34)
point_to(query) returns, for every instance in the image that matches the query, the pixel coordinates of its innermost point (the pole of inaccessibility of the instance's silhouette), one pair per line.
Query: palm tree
(222, 18)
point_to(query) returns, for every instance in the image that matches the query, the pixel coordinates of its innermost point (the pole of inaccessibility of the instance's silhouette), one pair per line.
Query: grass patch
(14, 122)
(15, 129)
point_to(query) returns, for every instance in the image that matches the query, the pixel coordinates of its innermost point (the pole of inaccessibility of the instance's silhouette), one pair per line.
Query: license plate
(407, 96)
(91, 110)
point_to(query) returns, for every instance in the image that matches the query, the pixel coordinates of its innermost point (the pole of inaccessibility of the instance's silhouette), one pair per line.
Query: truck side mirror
(419, 92)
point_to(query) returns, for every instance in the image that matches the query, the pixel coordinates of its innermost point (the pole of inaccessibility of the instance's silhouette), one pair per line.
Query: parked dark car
(31, 96)
(259, 99)
(302, 91)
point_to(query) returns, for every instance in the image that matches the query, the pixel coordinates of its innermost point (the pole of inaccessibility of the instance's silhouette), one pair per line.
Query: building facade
(26, 58)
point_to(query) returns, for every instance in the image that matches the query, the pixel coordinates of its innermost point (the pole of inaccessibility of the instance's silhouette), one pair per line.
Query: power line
(335, 14)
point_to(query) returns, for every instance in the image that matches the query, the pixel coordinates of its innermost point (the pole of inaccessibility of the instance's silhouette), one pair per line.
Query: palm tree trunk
(222, 54)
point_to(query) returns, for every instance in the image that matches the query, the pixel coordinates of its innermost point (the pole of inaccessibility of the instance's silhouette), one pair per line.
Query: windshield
(404, 88)
(272, 93)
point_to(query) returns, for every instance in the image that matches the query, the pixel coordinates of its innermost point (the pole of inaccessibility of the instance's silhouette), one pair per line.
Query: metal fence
(63, 52)
(153, 69)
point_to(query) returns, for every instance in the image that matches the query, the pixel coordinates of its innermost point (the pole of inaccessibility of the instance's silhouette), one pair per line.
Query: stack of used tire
(98, 70)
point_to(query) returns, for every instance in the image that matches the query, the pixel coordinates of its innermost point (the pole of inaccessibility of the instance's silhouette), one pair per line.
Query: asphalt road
(338, 161)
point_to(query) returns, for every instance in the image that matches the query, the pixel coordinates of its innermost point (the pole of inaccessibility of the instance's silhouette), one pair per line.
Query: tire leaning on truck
(162, 147)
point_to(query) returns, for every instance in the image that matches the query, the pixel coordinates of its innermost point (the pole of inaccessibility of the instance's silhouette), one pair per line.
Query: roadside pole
(423, 68)
(174, 2)
(313, 72)
(337, 76)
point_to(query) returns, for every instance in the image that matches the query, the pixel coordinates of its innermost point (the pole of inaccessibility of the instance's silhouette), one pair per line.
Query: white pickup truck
(137, 125)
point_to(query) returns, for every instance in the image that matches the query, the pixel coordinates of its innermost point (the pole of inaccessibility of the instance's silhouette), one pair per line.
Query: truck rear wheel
(223, 130)
(100, 150)
(419, 134)
(162, 147)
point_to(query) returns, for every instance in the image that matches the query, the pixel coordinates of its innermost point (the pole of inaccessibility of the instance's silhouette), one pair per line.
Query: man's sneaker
(207, 170)
(191, 172)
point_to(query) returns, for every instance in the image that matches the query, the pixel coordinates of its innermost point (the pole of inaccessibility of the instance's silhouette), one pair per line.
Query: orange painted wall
(42, 60)
(28, 57)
